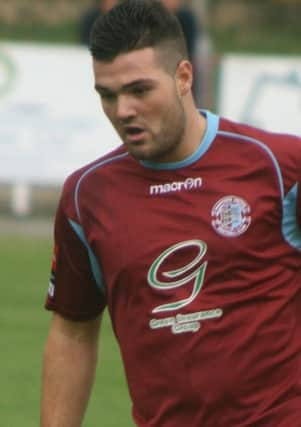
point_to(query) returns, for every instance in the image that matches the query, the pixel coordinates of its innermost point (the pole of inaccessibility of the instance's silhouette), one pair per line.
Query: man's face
(141, 99)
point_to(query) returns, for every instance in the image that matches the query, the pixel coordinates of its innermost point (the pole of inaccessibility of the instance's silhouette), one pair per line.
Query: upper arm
(67, 339)
(69, 363)
(73, 290)
(77, 331)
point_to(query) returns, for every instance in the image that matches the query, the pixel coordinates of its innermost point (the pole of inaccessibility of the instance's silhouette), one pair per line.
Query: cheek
(158, 106)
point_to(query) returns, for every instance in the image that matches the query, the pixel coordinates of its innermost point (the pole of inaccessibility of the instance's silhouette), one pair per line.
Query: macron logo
(169, 187)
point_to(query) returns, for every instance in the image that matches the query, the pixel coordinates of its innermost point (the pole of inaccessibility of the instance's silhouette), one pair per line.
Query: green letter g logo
(193, 269)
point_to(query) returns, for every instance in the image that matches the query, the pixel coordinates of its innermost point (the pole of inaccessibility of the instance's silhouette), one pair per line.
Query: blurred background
(247, 60)
(246, 56)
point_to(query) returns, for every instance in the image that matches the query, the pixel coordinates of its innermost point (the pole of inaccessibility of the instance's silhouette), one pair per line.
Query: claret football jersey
(199, 264)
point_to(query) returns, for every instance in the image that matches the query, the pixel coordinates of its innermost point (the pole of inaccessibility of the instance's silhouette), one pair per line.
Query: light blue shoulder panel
(93, 260)
(78, 228)
(291, 229)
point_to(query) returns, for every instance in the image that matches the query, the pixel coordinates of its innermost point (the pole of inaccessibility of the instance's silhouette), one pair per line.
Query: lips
(133, 130)
(134, 133)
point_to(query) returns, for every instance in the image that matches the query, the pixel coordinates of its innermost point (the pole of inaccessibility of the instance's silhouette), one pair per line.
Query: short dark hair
(138, 24)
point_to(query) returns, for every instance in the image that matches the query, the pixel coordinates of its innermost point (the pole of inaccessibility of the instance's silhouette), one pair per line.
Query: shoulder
(282, 151)
(279, 144)
(97, 165)
(96, 168)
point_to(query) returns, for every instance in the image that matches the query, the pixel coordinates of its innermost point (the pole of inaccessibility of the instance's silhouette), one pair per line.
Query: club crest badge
(231, 216)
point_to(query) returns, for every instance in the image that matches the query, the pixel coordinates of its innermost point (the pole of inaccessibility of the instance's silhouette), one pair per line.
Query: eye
(140, 91)
(107, 96)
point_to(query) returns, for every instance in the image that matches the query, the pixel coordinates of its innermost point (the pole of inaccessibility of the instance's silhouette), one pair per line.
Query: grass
(24, 280)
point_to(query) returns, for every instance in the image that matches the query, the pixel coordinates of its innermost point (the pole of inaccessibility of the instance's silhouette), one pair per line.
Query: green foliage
(25, 265)
(263, 40)
(255, 26)
(64, 32)
(272, 27)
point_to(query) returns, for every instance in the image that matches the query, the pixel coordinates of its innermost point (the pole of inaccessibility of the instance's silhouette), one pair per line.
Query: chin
(140, 155)
(140, 152)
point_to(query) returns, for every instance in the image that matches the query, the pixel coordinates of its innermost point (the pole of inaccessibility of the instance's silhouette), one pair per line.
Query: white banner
(264, 91)
(51, 120)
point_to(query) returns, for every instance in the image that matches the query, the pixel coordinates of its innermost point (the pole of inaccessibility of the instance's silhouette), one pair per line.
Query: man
(190, 233)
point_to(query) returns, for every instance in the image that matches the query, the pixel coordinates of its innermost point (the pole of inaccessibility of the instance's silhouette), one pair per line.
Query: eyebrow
(100, 88)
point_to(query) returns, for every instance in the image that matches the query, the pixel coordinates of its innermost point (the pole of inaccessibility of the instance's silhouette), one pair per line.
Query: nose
(125, 108)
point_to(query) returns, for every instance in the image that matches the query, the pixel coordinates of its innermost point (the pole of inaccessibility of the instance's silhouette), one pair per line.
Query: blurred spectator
(87, 19)
(190, 25)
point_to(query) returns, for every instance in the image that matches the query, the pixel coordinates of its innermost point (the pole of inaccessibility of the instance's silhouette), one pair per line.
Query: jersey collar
(211, 131)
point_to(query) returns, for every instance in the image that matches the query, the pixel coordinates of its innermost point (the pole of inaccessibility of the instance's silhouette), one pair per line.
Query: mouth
(134, 134)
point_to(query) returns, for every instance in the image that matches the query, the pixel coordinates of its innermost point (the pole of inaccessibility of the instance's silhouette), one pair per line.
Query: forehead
(127, 67)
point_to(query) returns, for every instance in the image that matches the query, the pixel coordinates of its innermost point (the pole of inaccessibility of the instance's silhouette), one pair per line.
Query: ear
(184, 77)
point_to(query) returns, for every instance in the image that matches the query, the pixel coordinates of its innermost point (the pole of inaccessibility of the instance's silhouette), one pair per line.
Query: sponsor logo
(170, 187)
(194, 272)
(182, 323)
(231, 216)
(191, 276)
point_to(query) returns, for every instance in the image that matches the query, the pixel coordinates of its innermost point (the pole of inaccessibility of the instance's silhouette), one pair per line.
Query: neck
(194, 132)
